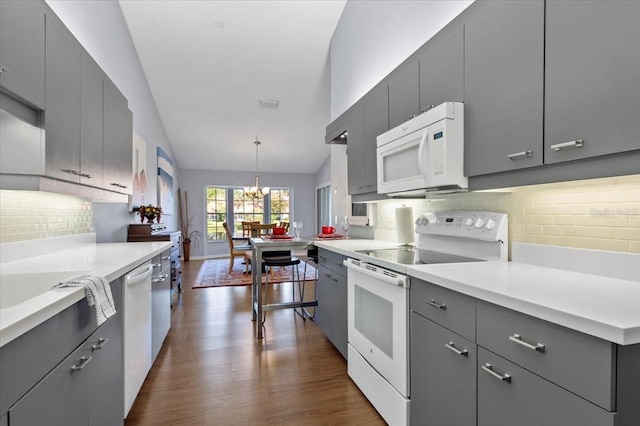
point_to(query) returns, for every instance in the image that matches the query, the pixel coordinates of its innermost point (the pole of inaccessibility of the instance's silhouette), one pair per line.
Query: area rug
(214, 273)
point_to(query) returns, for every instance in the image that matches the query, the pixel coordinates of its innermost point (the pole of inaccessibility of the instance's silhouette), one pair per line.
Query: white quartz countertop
(608, 308)
(601, 306)
(110, 260)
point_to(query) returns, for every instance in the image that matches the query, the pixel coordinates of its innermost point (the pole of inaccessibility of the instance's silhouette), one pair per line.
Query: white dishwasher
(137, 331)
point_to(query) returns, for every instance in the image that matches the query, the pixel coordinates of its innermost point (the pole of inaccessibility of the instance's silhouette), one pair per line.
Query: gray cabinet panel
(503, 89)
(578, 362)
(592, 74)
(117, 140)
(91, 85)
(443, 383)
(324, 310)
(355, 149)
(404, 92)
(62, 104)
(61, 398)
(376, 122)
(106, 374)
(529, 400)
(453, 310)
(22, 50)
(442, 70)
(339, 324)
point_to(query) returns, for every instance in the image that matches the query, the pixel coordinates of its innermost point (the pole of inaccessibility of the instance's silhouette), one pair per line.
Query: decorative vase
(186, 249)
(150, 218)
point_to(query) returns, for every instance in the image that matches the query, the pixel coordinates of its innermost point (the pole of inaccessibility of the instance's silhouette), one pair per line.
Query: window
(232, 205)
(216, 203)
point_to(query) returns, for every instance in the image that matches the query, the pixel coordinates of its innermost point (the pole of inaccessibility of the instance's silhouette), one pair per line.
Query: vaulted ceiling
(209, 63)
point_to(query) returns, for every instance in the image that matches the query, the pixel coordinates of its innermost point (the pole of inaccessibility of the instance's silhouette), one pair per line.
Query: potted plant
(186, 226)
(149, 212)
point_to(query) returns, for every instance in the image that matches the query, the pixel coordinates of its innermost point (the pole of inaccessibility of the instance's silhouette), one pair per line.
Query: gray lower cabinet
(591, 91)
(511, 395)
(503, 87)
(404, 92)
(443, 379)
(86, 388)
(62, 103)
(91, 101)
(331, 312)
(442, 70)
(22, 50)
(117, 140)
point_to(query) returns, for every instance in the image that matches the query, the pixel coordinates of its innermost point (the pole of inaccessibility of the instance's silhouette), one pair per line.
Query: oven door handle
(393, 278)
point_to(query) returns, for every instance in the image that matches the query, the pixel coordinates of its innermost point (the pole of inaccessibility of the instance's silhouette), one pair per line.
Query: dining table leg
(256, 274)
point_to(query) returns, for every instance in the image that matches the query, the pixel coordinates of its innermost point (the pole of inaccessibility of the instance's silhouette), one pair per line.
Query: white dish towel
(98, 292)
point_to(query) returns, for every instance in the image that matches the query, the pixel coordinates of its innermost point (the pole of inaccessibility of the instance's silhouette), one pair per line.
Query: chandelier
(256, 191)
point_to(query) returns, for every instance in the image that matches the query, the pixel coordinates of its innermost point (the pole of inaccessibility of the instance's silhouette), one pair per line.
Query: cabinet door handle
(3, 69)
(427, 108)
(100, 344)
(502, 377)
(409, 117)
(538, 347)
(156, 265)
(578, 143)
(452, 347)
(435, 304)
(82, 364)
(160, 278)
(521, 154)
(166, 257)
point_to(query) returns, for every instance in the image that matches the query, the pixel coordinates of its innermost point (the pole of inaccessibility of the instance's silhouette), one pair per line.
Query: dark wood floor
(212, 371)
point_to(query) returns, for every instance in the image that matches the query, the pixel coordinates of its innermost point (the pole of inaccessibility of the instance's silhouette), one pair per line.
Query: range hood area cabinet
(84, 133)
(570, 52)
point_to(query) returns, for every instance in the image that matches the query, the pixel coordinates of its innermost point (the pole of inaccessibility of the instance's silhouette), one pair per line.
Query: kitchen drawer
(332, 261)
(526, 399)
(450, 309)
(578, 362)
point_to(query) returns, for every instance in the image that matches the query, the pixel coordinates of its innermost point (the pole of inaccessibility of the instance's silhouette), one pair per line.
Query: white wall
(100, 27)
(195, 182)
(374, 36)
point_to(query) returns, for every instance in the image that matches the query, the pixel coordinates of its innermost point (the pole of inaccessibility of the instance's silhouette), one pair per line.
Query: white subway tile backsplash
(601, 214)
(27, 215)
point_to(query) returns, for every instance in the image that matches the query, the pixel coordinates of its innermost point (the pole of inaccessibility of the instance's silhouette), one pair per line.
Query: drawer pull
(166, 257)
(160, 278)
(435, 304)
(520, 155)
(82, 364)
(577, 144)
(452, 347)
(502, 377)
(538, 347)
(156, 265)
(99, 345)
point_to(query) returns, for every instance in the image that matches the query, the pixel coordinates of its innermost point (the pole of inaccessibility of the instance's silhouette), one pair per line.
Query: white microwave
(424, 154)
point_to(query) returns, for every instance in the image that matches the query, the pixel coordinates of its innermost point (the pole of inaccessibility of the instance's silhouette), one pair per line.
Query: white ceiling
(208, 63)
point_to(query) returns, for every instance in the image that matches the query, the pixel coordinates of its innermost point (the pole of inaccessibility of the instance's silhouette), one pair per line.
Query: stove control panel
(472, 224)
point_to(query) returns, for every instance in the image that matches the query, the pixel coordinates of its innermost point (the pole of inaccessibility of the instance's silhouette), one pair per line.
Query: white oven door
(377, 323)
(399, 163)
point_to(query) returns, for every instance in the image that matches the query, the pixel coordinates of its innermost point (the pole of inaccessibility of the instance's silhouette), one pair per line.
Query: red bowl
(278, 231)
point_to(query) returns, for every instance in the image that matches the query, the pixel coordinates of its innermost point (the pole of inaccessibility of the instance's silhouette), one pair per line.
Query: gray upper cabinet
(376, 122)
(355, 149)
(503, 87)
(442, 70)
(117, 139)
(592, 78)
(404, 92)
(22, 50)
(62, 106)
(91, 101)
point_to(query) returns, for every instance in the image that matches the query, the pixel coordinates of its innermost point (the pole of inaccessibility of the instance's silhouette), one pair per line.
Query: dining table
(260, 245)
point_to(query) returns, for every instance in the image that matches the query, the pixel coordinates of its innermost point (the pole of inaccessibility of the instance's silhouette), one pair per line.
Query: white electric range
(378, 299)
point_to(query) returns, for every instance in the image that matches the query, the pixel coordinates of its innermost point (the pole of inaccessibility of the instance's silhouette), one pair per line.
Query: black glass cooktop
(416, 256)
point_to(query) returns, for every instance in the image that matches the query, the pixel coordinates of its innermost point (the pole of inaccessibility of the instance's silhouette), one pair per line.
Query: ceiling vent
(269, 103)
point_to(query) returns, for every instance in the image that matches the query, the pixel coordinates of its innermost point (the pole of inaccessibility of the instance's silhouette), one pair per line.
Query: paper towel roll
(404, 225)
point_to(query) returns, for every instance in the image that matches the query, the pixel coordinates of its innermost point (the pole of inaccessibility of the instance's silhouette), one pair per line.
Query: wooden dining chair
(234, 251)
(262, 229)
(246, 229)
(284, 225)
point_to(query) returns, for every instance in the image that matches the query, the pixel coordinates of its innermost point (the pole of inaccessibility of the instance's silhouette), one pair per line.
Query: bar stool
(282, 258)
(312, 256)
